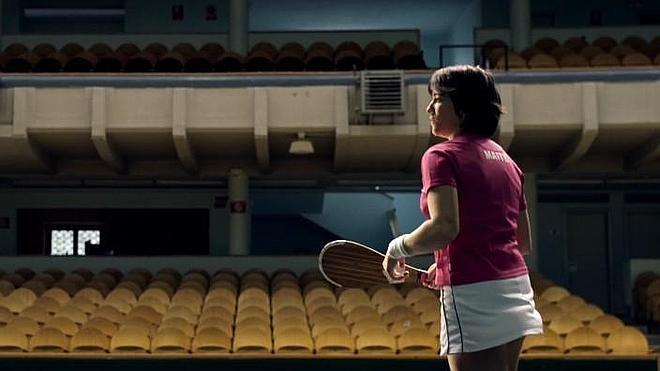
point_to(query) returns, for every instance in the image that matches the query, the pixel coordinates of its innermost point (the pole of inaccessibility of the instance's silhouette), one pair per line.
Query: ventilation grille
(382, 92)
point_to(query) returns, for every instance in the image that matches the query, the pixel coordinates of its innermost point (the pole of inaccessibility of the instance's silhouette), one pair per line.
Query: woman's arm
(523, 234)
(441, 228)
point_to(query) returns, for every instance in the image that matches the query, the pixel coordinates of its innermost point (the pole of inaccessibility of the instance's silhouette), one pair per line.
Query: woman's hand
(428, 278)
(395, 269)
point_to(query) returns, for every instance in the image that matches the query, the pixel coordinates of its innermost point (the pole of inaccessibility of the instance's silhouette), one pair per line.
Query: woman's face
(444, 121)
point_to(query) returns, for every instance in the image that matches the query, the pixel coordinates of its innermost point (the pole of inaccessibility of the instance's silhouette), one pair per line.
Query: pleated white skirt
(483, 315)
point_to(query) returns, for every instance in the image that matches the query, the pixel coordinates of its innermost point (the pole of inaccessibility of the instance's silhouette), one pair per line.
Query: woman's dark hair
(472, 91)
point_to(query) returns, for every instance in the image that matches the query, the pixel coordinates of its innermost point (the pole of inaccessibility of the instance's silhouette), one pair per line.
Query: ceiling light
(301, 146)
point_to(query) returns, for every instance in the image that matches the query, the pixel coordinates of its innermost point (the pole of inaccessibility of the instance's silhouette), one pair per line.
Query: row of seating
(219, 313)
(198, 312)
(185, 57)
(574, 326)
(646, 294)
(574, 52)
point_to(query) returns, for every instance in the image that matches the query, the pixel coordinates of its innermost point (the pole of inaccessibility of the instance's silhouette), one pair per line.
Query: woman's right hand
(428, 278)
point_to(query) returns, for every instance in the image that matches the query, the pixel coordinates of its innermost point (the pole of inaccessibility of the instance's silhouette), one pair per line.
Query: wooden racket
(350, 264)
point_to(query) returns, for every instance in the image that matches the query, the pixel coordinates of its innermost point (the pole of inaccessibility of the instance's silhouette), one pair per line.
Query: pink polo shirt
(490, 198)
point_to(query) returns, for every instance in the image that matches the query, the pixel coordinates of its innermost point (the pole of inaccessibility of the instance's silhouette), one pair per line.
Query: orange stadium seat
(319, 57)
(170, 62)
(348, 56)
(573, 60)
(605, 42)
(200, 62)
(542, 61)
(528, 53)
(576, 43)
(604, 60)
(16, 49)
(81, 62)
(140, 62)
(636, 59)
(44, 49)
(514, 60)
(407, 56)
(229, 62)
(261, 57)
(72, 49)
(636, 42)
(21, 63)
(547, 44)
(291, 57)
(378, 56)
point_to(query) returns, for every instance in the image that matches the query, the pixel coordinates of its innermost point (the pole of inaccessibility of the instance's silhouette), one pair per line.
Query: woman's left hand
(395, 269)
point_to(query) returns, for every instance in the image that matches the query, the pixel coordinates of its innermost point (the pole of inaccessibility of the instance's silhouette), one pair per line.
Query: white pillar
(239, 213)
(238, 26)
(520, 24)
(531, 196)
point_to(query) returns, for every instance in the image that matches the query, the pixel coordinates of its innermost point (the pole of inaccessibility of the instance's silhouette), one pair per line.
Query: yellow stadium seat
(82, 303)
(554, 294)
(92, 295)
(289, 322)
(570, 303)
(550, 312)
(587, 313)
(360, 313)
(565, 324)
(23, 325)
(288, 311)
(63, 324)
(293, 341)
(35, 286)
(417, 340)
(107, 327)
(584, 340)
(180, 324)
(335, 341)
(130, 340)
(5, 316)
(39, 314)
(108, 312)
(13, 341)
(320, 302)
(627, 340)
(419, 293)
(252, 340)
(366, 324)
(605, 324)
(375, 341)
(145, 312)
(49, 339)
(6, 288)
(400, 326)
(217, 323)
(398, 313)
(72, 313)
(170, 340)
(262, 323)
(157, 294)
(548, 342)
(211, 340)
(90, 339)
(319, 328)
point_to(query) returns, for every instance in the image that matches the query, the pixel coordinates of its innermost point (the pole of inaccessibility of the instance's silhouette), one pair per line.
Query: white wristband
(397, 249)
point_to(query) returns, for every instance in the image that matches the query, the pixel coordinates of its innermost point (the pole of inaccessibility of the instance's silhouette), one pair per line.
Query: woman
(477, 227)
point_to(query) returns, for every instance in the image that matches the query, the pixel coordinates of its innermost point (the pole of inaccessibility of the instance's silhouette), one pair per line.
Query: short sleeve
(437, 170)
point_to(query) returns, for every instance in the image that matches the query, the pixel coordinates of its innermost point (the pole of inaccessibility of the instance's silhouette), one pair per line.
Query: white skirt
(483, 315)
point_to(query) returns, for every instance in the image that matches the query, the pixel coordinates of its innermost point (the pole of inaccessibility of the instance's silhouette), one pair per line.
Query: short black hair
(475, 98)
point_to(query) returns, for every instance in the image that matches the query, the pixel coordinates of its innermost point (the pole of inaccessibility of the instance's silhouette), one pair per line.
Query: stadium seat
(155, 293)
(606, 324)
(280, 324)
(375, 341)
(291, 57)
(170, 340)
(53, 62)
(385, 294)
(145, 312)
(6, 287)
(5, 316)
(575, 43)
(417, 341)
(573, 60)
(72, 49)
(547, 44)
(81, 62)
(635, 42)
(528, 53)
(604, 60)
(548, 342)
(18, 300)
(212, 49)
(321, 302)
(35, 286)
(513, 60)
(587, 313)
(396, 313)
(200, 62)
(420, 293)
(211, 340)
(378, 56)
(335, 341)
(13, 341)
(319, 57)
(219, 308)
(128, 50)
(67, 326)
(140, 62)
(605, 42)
(570, 303)
(162, 285)
(60, 295)
(407, 56)
(221, 324)
(16, 49)
(99, 50)
(636, 59)
(106, 326)
(21, 63)
(38, 314)
(584, 340)
(321, 327)
(108, 312)
(349, 56)
(92, 295)
(261, 57)
(565, 324)
(23, 325)
(90, 339)
(359, 313)
(184, 49)
(156, 49)
(293, 341)
(289, 311)
(627, 340)
(170, 62)
(365, 324)
(50, 340)
(130, 340)
(180, 324)
(252, 340)
(402, 325)
(554, 294)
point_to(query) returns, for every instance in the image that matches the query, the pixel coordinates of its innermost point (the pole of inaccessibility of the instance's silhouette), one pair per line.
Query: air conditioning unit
(382, 92)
